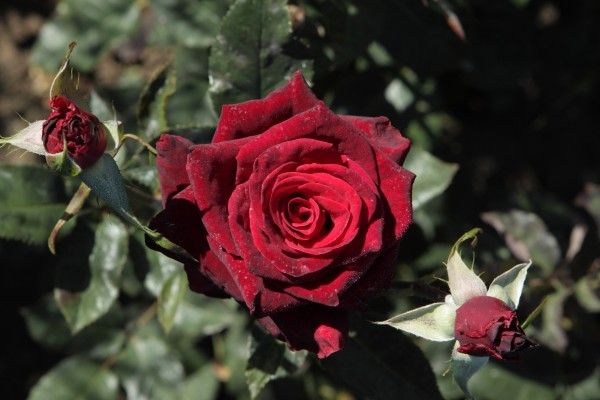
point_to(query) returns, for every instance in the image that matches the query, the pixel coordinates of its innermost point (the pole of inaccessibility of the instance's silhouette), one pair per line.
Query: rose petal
(382, 135)
(256, 116)
(377, 279)
(396, 188)
(180, 223)
(317, 123)
(329, 290)
(318, 329)
(170, 162)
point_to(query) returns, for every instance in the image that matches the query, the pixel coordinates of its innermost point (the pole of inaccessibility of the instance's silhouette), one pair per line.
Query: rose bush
(85, 135)
(292, 210)
(486, 326)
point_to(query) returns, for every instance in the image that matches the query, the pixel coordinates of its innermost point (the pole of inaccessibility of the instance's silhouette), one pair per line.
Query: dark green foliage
(504, 130)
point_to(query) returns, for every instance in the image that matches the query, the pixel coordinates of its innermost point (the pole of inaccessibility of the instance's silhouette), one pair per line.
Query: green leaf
(464, 366)
(106, 263)
(152, 106)
(171, 296)
(147, 368)
(552, 333)
(233, 353)
(100, 108)
(586, 389)
(587, 292)
(96, 25)
(380, 363)
(509, 285)
(106, 182)
(146, 175)
(31, 201)
(526, 236)
(190, 23)
(433, 176)
(46, 325)
(432, 322)
(249, 58)
(28, 138)
(200, 316)
(496, 383)
(161, 268)
(201, 385)
(76, 378)
(589, 199)
(269, 360)
(190, 106)
(399, 95)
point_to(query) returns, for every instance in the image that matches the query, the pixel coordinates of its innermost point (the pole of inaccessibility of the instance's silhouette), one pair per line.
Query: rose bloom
(486, 326)
(292, 210)
(84, 133)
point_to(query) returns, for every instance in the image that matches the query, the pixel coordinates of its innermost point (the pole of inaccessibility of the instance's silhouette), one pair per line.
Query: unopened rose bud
(84, 134)
(486, 326)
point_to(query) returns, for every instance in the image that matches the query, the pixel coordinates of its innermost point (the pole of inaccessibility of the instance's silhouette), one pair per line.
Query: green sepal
(464, 366)
(114, 130)
(62, 163)
(28, 138)
(432, 322)
(463, 281)
(509, 285)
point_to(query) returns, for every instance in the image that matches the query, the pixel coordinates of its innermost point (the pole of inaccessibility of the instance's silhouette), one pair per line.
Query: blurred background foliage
(500, 99)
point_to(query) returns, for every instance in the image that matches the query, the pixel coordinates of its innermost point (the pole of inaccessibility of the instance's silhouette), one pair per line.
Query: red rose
(292, 210)
(486, 326)
(84, 134)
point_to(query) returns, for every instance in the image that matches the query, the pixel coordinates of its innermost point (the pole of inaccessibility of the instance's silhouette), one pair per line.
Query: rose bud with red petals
(84, 134)
(486, 326)
(292, 210)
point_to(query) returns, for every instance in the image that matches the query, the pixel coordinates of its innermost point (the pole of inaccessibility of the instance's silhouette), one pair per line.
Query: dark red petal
(171, 161)
(378, 278)
(259, 299)
(475, 317)
(316, 123)
(396, 188)
(382, 135)
(329, 290)
(315, 328)
(180, 223)
(256, 116)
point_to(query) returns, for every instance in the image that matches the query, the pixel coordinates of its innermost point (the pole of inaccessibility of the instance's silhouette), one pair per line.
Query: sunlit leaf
(96, 25)
(587, 292)
(433, 175)
(552, 333)
(171, 296)
(249, 58)
(31, 201)
(106, 262)
(526, 236)
(269, 360)
(76, 378)
(201, 385)
(147, 368)
(494, 382)
(153, 103)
